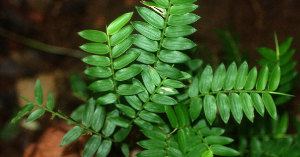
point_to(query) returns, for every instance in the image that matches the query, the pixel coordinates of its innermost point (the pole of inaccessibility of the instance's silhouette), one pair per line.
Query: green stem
(112, 68)
(42, 46)
(163, 33)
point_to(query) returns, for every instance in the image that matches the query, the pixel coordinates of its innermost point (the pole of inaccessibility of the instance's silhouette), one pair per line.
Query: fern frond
(282, 57)
(233, 90)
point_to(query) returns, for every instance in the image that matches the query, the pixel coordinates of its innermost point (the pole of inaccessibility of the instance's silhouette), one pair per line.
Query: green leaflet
(262, 78)
(241, 77)
(193, 142)
(184, 19)
(98, 118)
(122, 133)
(218, 79)
(109, 127)
(125, 150)
(163, 3)
(194, 90)
(179, 43)
(270, 105)
(95, 48)
(287, 68)
(107, 99)
(251, 79)
(183, 118)
(182, 9)
(144, 43)
(207, 153)
(134, 101)
(71, 135)
(93, 35)
(287, 57)
(143, 124)
(152, 144)
(147, 30)
(223, 106)
(171, 116)
(127, 73)
(206, 79)
(104, 148)
(118, 23)
(154, 107)
(127, 110)
(194, 64)
(168, 71)
(150, 117)
(50, 101)
(185, 76)
(247, 106)
(122, 47)
(200, 149)
(38, 93)
(163, 99)
(274, 79)
(182, 139)
(230, 76)
(101, 85)
(173, 83)
(91, 146)
(223, 150)
(167, 91)
(284, 46)
(210, 108)
(179, 2)
(179, 31)
(96, 60)
(151, 17)
(77, 113)
(88, 113)
(121, 35)
(35, 115)
(195, 108)
(78, 85)
(100, 72)
(129, 89)
(155, 134)
(144, 57)
(174, 152)
(255, 144)
(154, 75)
(144, 96)
(173, 56)
(124, 60)
(236, 107)
(152, 152)
(283, 124)
(119, 121)
(267, 53)
(258, 103)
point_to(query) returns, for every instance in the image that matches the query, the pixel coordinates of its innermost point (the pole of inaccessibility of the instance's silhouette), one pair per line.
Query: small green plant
(146, 80)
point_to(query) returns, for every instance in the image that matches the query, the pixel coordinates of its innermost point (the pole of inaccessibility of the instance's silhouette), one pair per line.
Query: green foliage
(136, 79)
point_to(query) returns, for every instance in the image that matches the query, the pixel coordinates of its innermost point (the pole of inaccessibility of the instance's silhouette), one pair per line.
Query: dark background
(56, 23)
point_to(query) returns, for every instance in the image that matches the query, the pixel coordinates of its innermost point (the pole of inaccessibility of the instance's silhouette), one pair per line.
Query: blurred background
(38, 40)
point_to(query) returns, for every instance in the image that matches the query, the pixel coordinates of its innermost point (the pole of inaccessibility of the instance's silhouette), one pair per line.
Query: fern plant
(136, 80)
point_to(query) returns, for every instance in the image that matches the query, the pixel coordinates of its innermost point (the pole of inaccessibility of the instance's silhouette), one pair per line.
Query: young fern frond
(282, 57)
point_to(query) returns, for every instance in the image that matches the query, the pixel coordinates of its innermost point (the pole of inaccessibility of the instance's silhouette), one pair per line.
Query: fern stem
(112, 68)
(163, 34)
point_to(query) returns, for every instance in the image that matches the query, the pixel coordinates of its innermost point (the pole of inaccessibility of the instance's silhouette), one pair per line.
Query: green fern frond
(233, 90)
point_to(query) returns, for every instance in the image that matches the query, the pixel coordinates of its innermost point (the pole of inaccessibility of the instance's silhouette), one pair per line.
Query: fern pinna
(135, 81)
